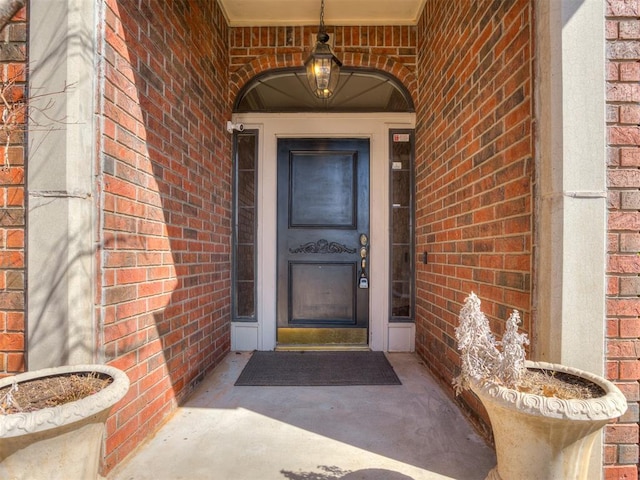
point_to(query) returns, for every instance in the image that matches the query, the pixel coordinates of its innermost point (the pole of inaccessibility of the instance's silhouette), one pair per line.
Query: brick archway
(263, 63)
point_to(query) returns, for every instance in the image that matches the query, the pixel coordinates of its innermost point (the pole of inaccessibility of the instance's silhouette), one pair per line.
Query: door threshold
(321, 336)
(302, 347)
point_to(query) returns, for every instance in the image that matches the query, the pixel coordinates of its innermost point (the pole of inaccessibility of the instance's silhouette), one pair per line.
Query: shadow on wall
(336, 473)
(60, 234)
(166, 164)
(167, 169)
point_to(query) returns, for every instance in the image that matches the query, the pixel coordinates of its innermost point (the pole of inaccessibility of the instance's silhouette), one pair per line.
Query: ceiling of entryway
(307, 12)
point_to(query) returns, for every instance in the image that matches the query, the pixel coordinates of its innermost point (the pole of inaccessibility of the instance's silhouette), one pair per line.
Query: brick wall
(13, 57)
(623, 305)
(165, 163)
(474, 150)
(396, 42)
(256, 49)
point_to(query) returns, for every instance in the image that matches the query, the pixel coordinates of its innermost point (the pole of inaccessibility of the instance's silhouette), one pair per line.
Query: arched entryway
(357, 292)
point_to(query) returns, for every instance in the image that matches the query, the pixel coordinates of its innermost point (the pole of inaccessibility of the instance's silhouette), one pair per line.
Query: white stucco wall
(60, 183)
(571, 208)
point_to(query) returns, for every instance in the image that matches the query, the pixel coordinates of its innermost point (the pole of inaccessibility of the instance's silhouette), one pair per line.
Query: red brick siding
(165, 163)
(13, 58)
(256, 49)
(474, 170)
(623, 270)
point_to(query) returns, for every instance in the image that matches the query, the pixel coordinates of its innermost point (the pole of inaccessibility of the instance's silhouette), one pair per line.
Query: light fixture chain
(322, 16)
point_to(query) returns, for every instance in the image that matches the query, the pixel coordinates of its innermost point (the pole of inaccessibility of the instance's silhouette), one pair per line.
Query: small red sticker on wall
(400, 137)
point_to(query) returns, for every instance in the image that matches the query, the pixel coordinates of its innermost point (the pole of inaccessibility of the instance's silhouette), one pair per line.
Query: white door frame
(383, 336)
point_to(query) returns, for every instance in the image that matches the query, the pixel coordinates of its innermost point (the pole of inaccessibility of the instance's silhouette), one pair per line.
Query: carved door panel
(323, 236)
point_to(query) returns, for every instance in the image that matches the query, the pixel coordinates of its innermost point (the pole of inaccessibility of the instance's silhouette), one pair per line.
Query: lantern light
(323, 67)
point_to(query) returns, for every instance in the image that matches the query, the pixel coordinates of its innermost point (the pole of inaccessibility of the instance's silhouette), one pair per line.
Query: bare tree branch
(15, 109)
(8, 8)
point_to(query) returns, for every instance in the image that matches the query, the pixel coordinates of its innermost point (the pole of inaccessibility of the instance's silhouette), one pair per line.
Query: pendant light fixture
(323, 67)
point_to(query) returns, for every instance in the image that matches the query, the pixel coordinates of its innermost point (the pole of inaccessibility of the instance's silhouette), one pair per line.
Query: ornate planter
(547, 438)
(60, 442)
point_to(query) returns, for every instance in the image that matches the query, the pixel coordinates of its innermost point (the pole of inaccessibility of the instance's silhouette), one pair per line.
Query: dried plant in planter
(50, 391)
(52, 420)
(544, 417)
(485, 359)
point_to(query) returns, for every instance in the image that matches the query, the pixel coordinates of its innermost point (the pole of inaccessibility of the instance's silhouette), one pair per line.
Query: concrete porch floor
(223, 432)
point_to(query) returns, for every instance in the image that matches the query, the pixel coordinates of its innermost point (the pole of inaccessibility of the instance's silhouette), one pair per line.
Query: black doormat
(317, 369)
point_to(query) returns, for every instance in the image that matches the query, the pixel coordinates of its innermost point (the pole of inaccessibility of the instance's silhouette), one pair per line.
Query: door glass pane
(401, 225)
(245, 265)
(401, 188)
(246, 226)
(402, 214)
(246, 188)
(245, 305)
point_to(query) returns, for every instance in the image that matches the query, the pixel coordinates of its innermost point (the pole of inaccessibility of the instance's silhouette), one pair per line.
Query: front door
(323, 242)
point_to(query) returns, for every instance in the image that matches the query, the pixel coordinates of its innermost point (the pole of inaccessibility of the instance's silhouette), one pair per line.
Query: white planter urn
(62, 442)
(548, 438)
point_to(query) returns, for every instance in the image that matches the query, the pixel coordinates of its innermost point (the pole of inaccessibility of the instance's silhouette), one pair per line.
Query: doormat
(278, 369)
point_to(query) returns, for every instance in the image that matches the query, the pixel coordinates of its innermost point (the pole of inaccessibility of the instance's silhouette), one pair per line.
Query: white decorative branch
(481, 359)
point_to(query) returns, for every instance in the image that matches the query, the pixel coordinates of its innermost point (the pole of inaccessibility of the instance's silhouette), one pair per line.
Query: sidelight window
(401, 159)
(245, 225)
